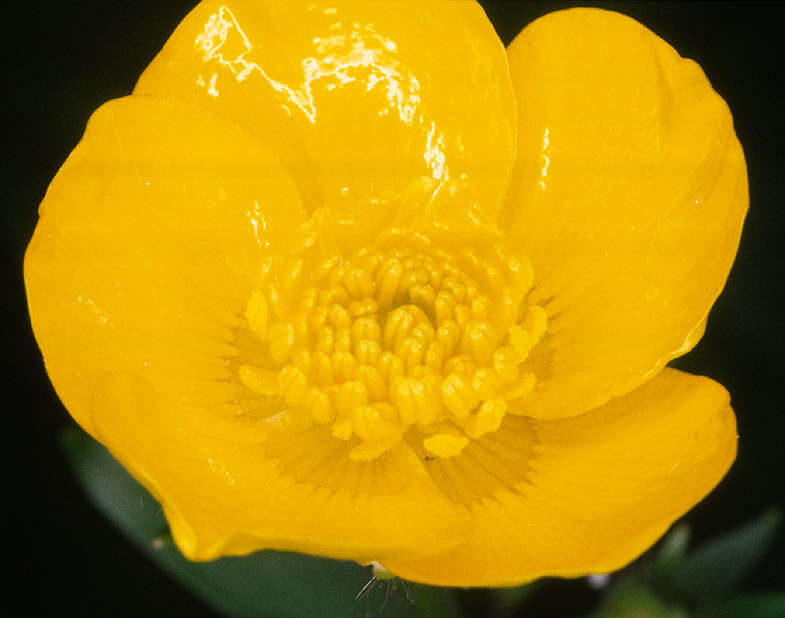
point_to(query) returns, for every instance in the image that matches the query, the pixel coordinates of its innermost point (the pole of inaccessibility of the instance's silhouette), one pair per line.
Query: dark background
(61, 60)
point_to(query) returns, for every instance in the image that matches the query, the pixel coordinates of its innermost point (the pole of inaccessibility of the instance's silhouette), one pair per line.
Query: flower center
(412, 337)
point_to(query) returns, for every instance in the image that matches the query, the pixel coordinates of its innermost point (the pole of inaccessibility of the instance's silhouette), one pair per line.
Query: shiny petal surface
(232, 484)
(628, 196)
(151, 239)
(601, 487)
(357, 98)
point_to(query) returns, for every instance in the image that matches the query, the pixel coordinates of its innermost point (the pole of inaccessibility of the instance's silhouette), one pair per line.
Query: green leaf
(762, 605)
(267, 583)
(509, 599)
(670, 554)
(632, 598)
(715, 568)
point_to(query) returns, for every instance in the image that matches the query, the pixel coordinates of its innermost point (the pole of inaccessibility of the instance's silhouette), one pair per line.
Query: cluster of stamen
(404, 338)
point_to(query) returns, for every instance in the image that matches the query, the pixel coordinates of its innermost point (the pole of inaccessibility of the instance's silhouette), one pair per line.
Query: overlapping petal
(151, 238)
(357, 98)
(600, 489)
(629, 194)
(234, 484)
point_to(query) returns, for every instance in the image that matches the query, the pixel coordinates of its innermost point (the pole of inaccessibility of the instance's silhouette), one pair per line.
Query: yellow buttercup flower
(351, 279)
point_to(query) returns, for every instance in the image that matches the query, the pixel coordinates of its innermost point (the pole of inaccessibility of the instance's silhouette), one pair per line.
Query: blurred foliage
(267, 583)
(678, 583)
(675, 582)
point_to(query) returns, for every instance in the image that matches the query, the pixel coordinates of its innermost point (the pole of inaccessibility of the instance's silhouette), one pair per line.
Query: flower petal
(149, 241)
(601, 487)
(357, 98)
(230, 484)
(628, 196)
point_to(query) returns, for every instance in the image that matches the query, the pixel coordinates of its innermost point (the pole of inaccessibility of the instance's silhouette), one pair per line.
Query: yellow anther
(369, 261)
(339, 317)
(400, 323)
(505, 363)
(404, 336)
(325, 340)
(455, 287)
(480, 308)
(423, 295)
(462, 315)
(318, 403)
(411, 352)
(374, 382)
(453, 390)
(448, 335)
(471, 263)
(259, 380)
(521, 389)
(367, 352)
(479, 340)
(344, 366)
(472, 292)
(416, 401)
(342, 429)
(428, 402)
(343, 340)
(366, 329)
(256, 313)
(488, 418)
(336, 275)
(403, 398)
(309, 297)
(423, 332)
(410, 278)
(367, 306)
(373, 423)
(445, 444)
(390, 366)
(358, 282)
(350, 395)
(292, 382)
(435, 274)
(486, 383)
(434, 357)
(521, 341)
(387, 279)
(535, 322)
(317, 318)
(443, 306)
(463, 365)
(322, 271)
(322, 368)
(336, 294)
(506, 310)
(300, 328)
(281, 341)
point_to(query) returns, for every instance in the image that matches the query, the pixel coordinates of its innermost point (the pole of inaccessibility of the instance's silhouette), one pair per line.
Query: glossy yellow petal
(629, 194)
(596, 490)
(357, 98)
(149, 241)
(231, 483)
